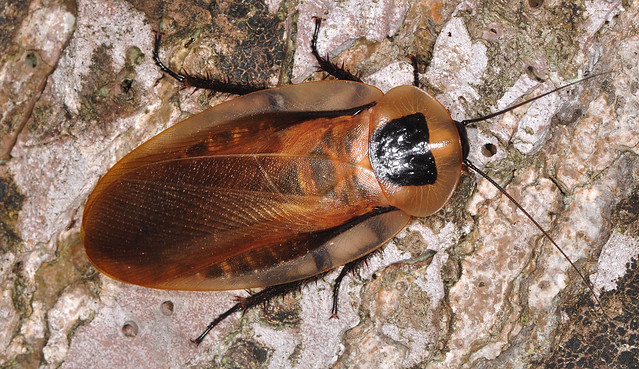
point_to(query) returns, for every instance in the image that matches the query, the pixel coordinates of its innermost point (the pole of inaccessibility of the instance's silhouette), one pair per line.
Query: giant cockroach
(277, 186)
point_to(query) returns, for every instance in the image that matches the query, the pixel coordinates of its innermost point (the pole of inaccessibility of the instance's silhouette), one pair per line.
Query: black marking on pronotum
(400, 152)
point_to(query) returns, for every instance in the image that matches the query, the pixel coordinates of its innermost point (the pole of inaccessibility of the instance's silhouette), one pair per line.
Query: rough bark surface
(79, 90)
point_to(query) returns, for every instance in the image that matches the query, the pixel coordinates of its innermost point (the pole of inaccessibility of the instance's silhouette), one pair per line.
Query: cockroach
(278, 186)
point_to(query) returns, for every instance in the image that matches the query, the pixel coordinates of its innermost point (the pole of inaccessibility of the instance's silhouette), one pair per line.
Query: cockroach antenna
(172, 215)
(466, 122)
(470, 165)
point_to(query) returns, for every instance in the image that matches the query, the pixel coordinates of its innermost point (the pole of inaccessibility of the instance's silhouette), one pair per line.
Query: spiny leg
(200, 82)
(325, 64)
(269, 293)
(255, 299)
(339, 72)
(348, 268)
(413, 61)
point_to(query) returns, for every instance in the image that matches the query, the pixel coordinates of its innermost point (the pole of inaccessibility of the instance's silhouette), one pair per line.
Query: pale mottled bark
(494, 294)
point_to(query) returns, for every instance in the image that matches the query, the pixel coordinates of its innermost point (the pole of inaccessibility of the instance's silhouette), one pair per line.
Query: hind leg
(200, 82)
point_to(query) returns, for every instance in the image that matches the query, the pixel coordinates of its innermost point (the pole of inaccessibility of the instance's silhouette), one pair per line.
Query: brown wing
(244, 122)
(233, 222)
(261, 190)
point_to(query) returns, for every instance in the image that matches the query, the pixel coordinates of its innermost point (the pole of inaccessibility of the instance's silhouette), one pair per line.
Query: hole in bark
(130, 329)
(489, 150)
(167, 308)
(31, 60)
(535, 3)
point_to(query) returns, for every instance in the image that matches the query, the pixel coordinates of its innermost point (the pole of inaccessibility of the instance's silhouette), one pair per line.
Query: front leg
(325, 64)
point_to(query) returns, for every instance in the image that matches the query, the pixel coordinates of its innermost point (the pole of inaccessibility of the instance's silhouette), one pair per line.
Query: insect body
(273, 187)
(276, 187)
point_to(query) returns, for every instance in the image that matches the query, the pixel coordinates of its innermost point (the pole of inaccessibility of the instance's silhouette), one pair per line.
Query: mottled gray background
(78, 90)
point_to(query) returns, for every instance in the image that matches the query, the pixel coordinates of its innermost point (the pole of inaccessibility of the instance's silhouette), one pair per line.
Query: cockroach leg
(261, 297)
(156, 57)
(269, 293)
(413, 60)
(216, 321)
(324, 63)
(201, 82)
(348, 268)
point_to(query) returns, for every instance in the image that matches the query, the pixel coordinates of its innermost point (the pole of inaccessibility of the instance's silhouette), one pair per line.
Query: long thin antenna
(492, 115)
(481, 173)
